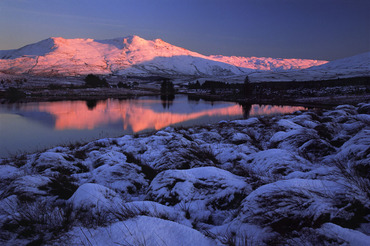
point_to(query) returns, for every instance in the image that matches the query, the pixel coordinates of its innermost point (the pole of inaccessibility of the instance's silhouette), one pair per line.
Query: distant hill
(350, 67)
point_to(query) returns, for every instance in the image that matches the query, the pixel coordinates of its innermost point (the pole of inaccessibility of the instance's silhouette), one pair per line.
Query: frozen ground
(299, 179)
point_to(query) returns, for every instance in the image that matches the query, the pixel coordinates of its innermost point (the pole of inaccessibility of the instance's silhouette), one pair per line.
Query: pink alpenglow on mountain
(131, 55)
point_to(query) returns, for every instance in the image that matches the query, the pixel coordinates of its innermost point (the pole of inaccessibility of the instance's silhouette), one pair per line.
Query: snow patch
(142, 230)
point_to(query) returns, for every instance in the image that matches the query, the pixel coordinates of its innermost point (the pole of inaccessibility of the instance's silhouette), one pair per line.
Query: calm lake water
(29, 127)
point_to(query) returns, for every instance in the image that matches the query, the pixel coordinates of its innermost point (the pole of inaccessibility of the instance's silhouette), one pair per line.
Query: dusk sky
(315, 29)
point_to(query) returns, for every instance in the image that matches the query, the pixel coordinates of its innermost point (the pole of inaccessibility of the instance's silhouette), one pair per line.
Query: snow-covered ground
(298, 179)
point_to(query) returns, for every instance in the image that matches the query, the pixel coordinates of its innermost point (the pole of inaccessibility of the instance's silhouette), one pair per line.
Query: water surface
(28, 127)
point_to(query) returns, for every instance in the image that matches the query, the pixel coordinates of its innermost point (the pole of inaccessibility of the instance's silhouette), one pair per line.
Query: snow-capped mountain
(131, 55)
(354, 66)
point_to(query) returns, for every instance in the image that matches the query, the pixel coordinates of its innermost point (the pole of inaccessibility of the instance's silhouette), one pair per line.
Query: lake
(33, 126)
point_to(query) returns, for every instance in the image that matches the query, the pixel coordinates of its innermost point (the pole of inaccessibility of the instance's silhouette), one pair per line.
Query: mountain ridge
(57, 56)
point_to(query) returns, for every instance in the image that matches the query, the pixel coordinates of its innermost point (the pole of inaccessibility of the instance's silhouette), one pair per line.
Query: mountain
(354, 66)
(132, 56)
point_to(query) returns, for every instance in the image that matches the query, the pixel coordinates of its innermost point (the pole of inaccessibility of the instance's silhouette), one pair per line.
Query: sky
(312, 29)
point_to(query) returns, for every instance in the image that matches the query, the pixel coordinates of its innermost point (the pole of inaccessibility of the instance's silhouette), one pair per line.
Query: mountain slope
(131, 55)
(354, 66)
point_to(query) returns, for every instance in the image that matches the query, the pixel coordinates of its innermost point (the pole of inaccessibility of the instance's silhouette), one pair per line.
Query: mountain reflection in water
(39, 125)
(144, 114)
(137, 115)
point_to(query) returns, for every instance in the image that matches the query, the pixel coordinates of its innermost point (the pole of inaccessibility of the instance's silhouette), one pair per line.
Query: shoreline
(84, 94)
(318, 93)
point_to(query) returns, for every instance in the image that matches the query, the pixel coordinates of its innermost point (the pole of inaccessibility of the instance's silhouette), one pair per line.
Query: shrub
(55, 86)
(80, 154)
(93, 81)
(195, 85)
(14, 93)
(122, 85)
(167, 87)
(37, 221)
(247, 87)
(61, 185)
(147, 170)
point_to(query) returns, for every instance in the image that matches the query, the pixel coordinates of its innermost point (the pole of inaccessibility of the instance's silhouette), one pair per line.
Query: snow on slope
(38, 49)
(354, 66)
(131, 55)
(267, 63)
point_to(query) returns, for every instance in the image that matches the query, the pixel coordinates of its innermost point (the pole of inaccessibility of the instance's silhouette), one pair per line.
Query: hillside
(354, 66)
(131, 55)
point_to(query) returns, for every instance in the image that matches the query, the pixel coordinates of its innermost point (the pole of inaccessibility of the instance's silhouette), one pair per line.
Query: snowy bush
(199, 190)
(275, 164)
(34, 221)
(94, 204)
(293, 204)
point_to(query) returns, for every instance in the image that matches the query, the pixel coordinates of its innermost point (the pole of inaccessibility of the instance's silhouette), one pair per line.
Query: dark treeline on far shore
(283, 85)
(286, 89)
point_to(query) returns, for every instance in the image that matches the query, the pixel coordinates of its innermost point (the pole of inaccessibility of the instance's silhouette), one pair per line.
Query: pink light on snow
(76, 115)
(137, 115)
